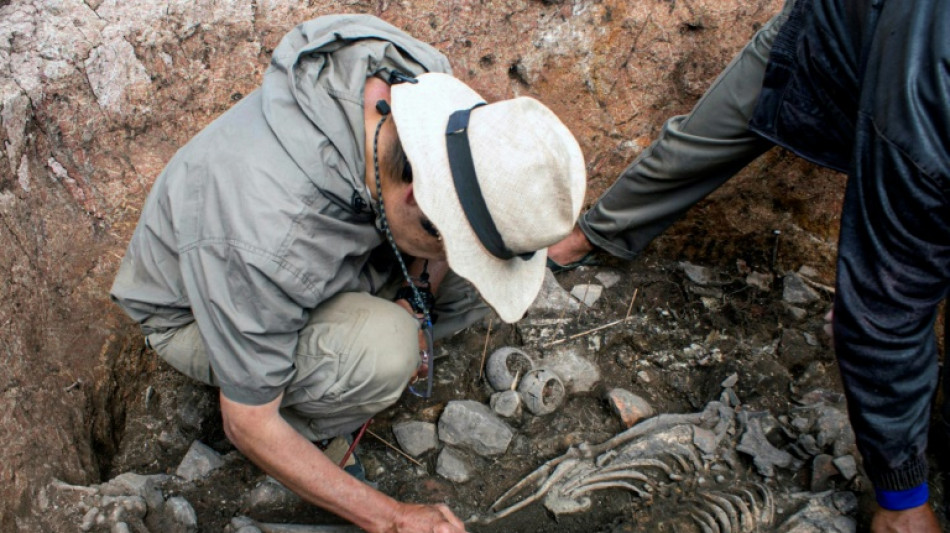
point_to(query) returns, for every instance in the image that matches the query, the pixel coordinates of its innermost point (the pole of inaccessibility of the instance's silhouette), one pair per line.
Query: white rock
(506, 403)
(452, 466)
(577, 373)
(199, 462)
(553, 297)
(587, 293)
(608, 278)
(697, 274)
(796, 292)
(416, 437)
(473, 426)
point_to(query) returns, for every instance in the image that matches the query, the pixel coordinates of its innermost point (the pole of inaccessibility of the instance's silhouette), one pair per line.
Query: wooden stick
(397, 450)
(583, 333)
(594, 330)
(481, 367)
(820, 286)
(633, 299)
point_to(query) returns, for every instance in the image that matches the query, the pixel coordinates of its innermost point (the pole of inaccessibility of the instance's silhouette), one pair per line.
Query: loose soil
(681, 343)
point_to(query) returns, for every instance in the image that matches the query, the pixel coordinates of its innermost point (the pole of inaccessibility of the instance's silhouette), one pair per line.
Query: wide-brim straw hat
(529, 168)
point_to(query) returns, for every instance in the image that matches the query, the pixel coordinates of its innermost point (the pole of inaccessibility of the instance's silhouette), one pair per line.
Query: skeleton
(670, 449)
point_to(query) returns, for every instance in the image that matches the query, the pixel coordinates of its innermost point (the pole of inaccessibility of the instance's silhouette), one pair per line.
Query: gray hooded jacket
(264, 214)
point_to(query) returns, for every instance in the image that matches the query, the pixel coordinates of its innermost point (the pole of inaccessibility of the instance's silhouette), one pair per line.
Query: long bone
(625, 467)
(754, 507)
(746, 515)
(704, 520)
(617, 475)
(768, 514)
(560, 471)
(727, 506)
(722, 518)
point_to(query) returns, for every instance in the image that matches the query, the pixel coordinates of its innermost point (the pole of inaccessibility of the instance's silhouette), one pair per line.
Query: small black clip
(383, 107)
(358, 203)
(398, 77)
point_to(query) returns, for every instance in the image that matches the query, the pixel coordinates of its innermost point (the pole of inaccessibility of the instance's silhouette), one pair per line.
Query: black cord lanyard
(418, 302)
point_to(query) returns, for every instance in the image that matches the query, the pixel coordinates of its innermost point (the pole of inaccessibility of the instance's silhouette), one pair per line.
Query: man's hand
(273, 445)
(427, 519)
(915, 520)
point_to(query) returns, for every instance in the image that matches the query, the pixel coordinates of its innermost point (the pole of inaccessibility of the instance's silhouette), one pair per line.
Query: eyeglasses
(420, 388)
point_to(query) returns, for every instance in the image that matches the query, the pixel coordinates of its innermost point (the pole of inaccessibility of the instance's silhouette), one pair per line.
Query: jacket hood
(313, 94)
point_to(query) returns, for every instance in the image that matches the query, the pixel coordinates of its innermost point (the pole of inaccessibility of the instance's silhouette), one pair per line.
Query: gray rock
(473, 426)
(818, 516)
(808, 445)
(453, 466)
(819, 397)
(802, 424)
(269, 496)
(416, 437)
(713, 294)
(241, 521)
(834, 430)
(199, 462)
(123, 509)
(608, 278)
(796, 313)
(506, 403)
(730, 381)
(796, 292)
(89, 519)
(760, 281)
(146, 487)
(729, 397)
(705, 440)
(248, 529)
(845, 501)
(712, 304)
(587, 293)
(577, 373)
(697, 274)
(179, 516)
(765, 456)
(822, 470)
(847, 465)
(552, 297)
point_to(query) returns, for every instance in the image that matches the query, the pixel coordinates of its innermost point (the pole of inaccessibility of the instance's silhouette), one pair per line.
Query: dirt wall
(96, 96)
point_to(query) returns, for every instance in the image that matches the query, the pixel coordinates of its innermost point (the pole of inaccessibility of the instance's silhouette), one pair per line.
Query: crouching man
(290, 253)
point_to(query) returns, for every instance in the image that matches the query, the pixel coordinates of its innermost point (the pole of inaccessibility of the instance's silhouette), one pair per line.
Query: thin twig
(481, 367)
(583, 333)
(394, 448)
(605, 326)
(633, 299)
(820, 286)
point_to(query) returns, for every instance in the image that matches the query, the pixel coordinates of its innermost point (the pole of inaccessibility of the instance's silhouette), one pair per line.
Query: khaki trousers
(354, 357)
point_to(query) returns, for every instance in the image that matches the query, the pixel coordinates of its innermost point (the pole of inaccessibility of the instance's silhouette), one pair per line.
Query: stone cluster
(133, 502)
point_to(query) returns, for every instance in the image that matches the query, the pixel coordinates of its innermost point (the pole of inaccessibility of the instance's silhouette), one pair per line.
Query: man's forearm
(266, 439)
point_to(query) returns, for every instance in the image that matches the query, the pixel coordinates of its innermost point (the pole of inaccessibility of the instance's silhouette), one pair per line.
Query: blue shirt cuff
(899, 500)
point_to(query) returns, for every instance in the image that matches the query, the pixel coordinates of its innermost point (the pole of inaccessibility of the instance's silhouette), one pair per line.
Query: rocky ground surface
(647, 396)
(96, 96)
